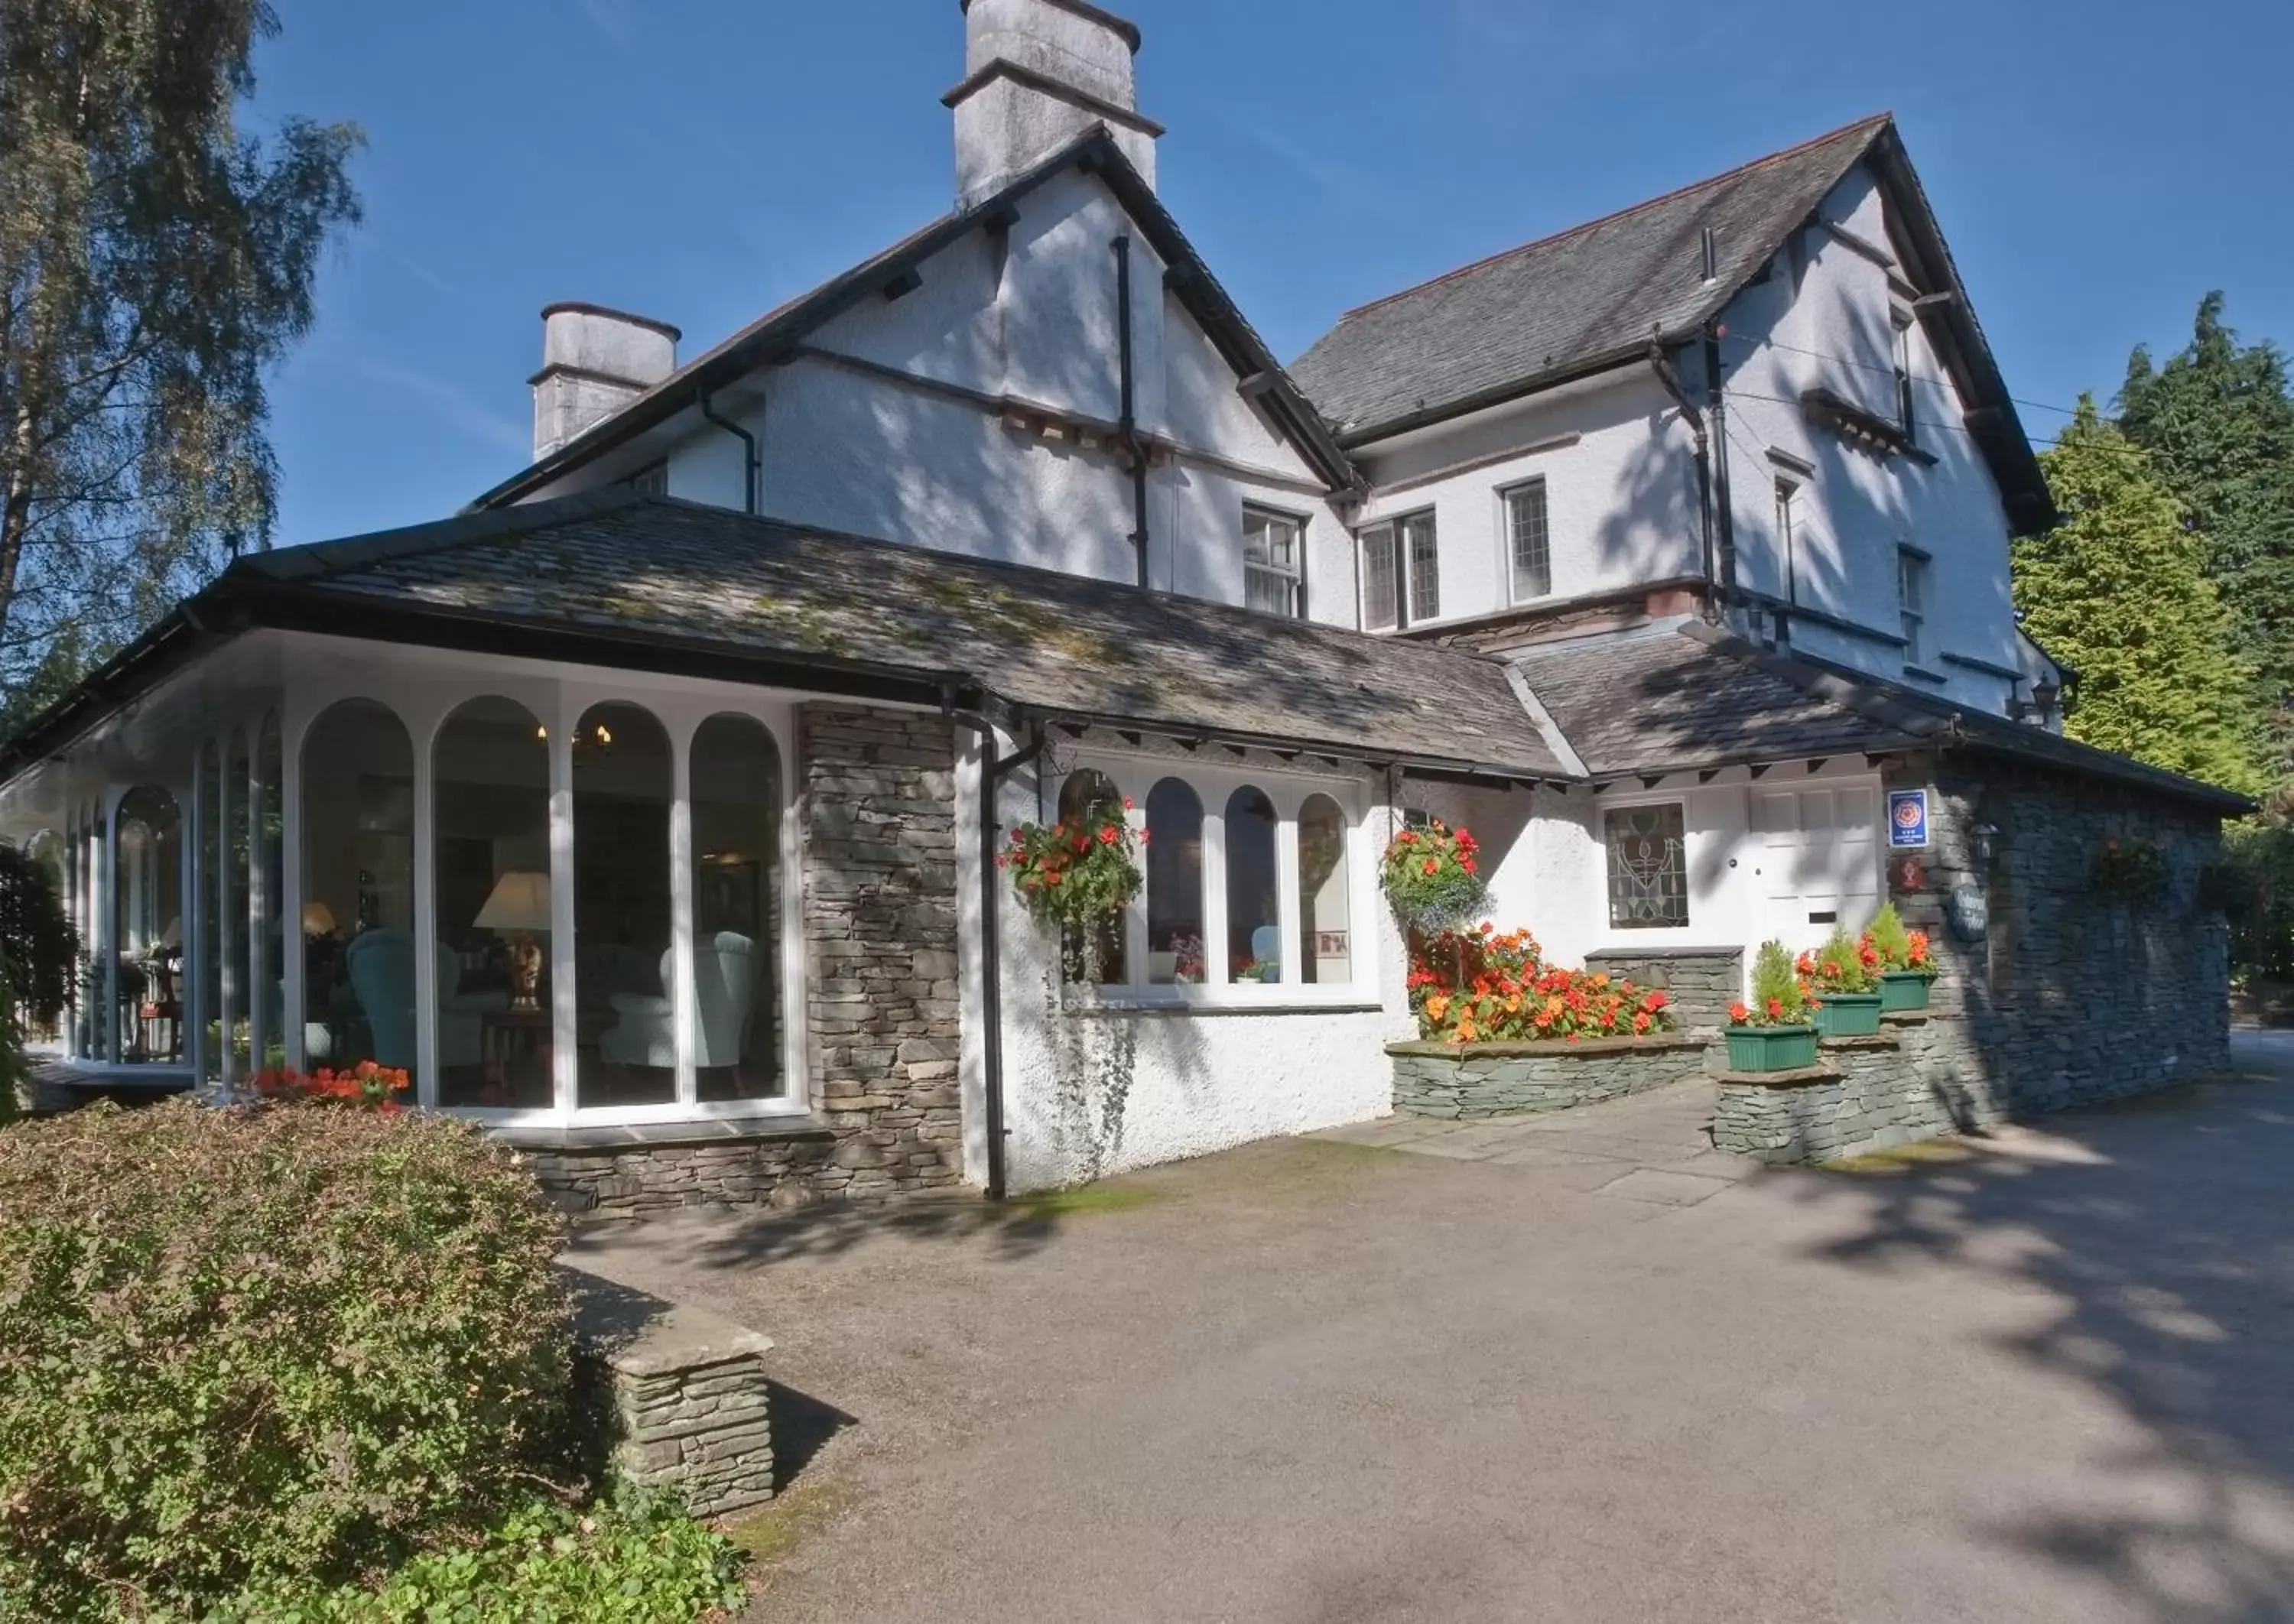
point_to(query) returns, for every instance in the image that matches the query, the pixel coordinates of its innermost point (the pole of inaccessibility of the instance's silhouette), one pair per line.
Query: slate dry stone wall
(1702, 982)
(1473, 1081)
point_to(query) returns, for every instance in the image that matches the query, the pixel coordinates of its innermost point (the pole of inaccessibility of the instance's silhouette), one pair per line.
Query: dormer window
(1273, 563)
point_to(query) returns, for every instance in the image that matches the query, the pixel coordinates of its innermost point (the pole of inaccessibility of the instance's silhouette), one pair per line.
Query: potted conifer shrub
(1773, 1031)
(1845, 974)
(1906, 966)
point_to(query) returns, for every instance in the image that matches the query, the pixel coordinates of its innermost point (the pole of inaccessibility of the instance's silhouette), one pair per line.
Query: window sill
(608, 1136)
(1920, 673)
(1217, 1000)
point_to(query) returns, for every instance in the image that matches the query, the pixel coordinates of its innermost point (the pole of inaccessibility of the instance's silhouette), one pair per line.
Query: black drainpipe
(752, 462)
(1130, 424)
(1670, 379)
(1716, 407)
(993, 770)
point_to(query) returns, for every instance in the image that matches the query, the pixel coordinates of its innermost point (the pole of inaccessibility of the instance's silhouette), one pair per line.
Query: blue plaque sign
(1908, 820)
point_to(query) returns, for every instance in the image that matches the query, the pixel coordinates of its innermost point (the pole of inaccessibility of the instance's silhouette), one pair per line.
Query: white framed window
(1274, 562)
(1912, 600)
(1647, 849)
(1529, 543)
(1400, 572)
(1902, 317)
(1255, 880)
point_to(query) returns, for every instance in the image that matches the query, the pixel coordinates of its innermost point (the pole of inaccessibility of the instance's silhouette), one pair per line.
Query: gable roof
(1687, 696)
(652, 577)
(1597, 294)
(775, 334)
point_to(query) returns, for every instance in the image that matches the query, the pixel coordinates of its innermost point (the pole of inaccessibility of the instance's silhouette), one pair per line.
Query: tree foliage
(2119, 591)
(2218, 423)
(154, 261)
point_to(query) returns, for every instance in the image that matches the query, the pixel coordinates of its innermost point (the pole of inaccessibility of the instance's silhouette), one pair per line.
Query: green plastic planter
(1848, 1014)
(1903, 991)
(1770, 1048)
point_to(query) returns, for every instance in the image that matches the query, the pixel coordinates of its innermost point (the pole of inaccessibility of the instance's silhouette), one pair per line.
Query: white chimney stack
(594, 361)
(1038, 73)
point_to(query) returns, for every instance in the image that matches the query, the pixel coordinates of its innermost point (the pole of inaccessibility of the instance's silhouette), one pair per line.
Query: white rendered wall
(1621, 502)
(1837, 333)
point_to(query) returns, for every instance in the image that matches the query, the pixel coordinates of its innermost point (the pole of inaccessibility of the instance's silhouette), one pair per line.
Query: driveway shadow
(2161, 1227)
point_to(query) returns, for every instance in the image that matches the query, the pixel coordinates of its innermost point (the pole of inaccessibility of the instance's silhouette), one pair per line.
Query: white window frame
(1535, 484)
(1134, 776)
(1912, 600)
(1392, 534)
(1295, 576)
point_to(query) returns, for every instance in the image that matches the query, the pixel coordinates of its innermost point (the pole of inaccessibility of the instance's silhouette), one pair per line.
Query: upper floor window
(651, 480)
(1903, 322)
(1787, 523)
(1912, 598)
(1400, 572)
(1273, 569)
(1528, 541)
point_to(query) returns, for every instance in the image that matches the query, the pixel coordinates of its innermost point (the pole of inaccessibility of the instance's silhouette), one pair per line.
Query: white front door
(1818, 857)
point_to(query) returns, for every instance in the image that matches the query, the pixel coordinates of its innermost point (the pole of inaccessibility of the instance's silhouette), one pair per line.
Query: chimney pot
(594, 361)
(1037, 73)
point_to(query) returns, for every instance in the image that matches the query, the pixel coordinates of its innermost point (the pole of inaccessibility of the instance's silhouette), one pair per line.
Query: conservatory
(547, 893)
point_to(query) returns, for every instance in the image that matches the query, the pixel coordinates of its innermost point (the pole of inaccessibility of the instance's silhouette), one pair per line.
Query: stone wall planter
(1472, 1081)
(1770, 1048)
(1848, 1014)
(1902, 991)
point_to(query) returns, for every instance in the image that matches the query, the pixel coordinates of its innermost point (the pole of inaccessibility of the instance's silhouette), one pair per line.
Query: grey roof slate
(683, 573)
(1687, 696)
(1593, 293)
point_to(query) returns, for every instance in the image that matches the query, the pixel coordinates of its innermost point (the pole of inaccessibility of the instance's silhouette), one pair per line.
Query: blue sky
(2096, 167)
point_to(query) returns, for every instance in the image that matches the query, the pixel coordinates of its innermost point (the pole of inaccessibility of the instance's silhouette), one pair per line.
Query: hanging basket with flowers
(1078, 872)
(2128, 871)
(1433, 878)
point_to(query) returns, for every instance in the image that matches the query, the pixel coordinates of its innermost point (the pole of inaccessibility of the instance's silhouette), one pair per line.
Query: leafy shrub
(1484, 986)
(272, 1342)
(638, 1560)
(1433, 878)
(37, 938)
(1779, 997)
(1842, 965)
(2128, 871)
(1899, 950)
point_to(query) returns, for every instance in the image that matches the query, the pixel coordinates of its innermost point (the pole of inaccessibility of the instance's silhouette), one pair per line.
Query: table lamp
(518, 907)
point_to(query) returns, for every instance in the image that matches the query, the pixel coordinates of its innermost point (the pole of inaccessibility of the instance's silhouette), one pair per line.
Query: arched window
(1095, 957)
(1175, 884)
(270, 871)
(147, 912)
(238, 1028)
(50, 853)
(622, 788)
(210, 878)
(1254, 905)
(358, 877)
(1325, 942)
(489, 812)
(737, 909)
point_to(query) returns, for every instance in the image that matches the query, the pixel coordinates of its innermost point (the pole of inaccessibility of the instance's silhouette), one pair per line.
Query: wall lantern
(1987, 837)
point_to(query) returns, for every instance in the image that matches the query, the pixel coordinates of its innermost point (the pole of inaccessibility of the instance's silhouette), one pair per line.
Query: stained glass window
(1648, 867)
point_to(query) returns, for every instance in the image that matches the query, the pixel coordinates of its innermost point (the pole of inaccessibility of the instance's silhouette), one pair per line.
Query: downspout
(1716, 406)
(1129, 426)
(752, 460)
(993, 770)
(1670, 379)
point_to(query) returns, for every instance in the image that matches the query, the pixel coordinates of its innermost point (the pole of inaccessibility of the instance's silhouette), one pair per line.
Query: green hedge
(288, 1345)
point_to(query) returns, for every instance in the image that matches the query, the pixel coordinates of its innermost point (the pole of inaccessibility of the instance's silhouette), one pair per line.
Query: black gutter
(993, 770)
(752, 466)
(1128, 427)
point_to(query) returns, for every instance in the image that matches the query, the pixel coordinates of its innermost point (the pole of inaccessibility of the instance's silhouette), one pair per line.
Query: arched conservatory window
(238, 1025)
(147, 912)
(209, 968)
(358, 890)
(270, 873)
(490, 805)
(48, 850)
(625, 985)
(1097, 955)
(1175, 950)
(736, 905)
(1254, 903)
(1325, 942)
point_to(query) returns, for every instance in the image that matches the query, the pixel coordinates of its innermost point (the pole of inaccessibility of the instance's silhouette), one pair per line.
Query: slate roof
(1567, 303)
(772, 335)
(676, 574)
(1689, 696)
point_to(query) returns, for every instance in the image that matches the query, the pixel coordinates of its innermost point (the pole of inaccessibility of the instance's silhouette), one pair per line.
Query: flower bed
(1475, 986)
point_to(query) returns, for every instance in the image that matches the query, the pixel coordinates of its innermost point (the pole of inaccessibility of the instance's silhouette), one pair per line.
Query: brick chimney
(594, 361)
(1038, 73)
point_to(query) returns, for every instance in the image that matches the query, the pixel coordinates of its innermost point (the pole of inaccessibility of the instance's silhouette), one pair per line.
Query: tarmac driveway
(1318, 1380)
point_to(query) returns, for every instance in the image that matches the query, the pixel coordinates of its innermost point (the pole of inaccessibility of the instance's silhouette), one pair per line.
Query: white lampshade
(317, 919)
(520, 902)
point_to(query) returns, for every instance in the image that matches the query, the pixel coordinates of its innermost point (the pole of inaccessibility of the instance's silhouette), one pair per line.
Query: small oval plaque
(1971, 912)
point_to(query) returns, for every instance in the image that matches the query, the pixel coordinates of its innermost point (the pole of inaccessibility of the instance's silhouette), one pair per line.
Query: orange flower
(1740, 1012)
(1641, 1022)
(1432, 865)
(1776, 1009)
